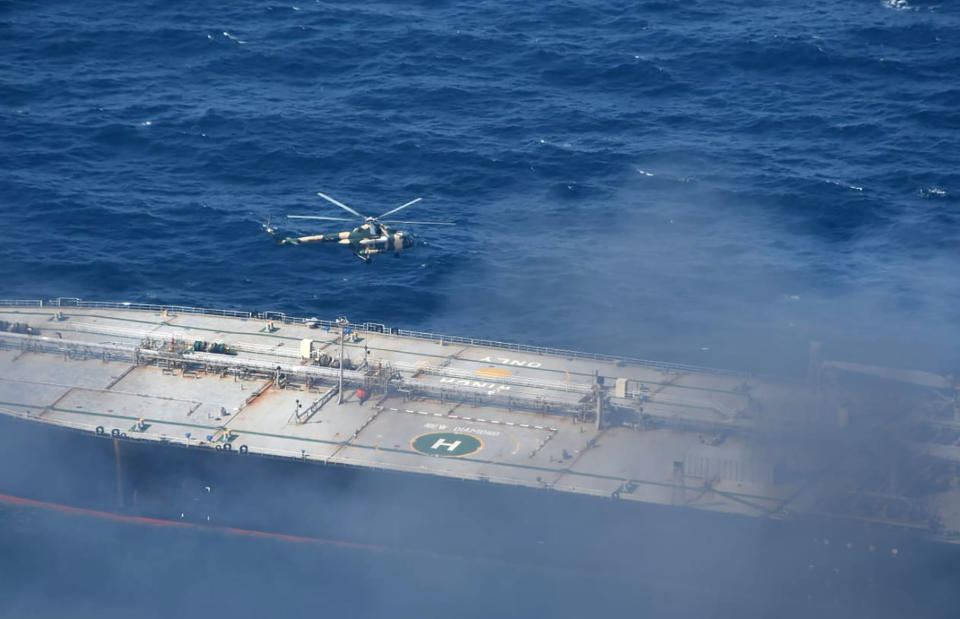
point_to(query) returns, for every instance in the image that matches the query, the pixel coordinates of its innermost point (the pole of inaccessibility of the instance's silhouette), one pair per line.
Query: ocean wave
(605, 160)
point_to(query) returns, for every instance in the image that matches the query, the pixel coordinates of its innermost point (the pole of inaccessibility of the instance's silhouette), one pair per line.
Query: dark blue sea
(712, 182)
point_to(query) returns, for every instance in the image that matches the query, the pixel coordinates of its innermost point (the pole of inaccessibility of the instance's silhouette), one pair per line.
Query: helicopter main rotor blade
(421, 223)
(340, 204)
(319, 217)
(402, 206)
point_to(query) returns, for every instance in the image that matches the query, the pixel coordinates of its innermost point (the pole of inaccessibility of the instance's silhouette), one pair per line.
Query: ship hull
(427, 516)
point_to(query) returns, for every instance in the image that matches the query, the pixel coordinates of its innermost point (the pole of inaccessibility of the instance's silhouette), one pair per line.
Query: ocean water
(713, 182)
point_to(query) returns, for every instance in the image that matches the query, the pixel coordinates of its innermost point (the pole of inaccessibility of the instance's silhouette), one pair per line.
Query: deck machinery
(858, 443)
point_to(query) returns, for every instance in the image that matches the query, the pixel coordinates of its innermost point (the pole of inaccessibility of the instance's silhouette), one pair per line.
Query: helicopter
(371, 237)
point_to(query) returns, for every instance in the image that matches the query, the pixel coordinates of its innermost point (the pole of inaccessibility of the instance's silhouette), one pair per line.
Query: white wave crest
(900, 5)
(234, 39)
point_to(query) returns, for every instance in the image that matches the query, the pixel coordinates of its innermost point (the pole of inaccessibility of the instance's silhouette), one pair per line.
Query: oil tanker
(375, 436)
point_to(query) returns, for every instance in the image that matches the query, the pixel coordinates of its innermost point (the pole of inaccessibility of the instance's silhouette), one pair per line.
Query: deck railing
(371, 327)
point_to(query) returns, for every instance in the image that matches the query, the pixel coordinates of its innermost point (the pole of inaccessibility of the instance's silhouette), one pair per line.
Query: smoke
(666, 267)
(672, 267)
(675, 266)
(727, 260)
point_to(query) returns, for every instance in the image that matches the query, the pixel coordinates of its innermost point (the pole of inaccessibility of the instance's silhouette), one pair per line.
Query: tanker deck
(237, 385)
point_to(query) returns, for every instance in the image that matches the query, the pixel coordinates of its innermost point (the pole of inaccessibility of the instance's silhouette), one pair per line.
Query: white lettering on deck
(442, 443)
(517, 362)
(491, 388)
(472, 430)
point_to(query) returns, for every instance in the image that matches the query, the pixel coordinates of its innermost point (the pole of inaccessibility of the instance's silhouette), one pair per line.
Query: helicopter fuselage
(365, 240)
(371, 237)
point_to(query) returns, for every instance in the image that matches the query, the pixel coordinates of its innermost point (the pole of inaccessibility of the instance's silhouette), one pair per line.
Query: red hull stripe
(158, 522)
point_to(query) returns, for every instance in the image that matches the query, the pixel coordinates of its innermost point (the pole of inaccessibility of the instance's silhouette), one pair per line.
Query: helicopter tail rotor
(281, 240)
(268, 228)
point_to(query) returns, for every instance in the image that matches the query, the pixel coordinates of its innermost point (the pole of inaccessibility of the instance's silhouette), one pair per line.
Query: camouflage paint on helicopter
(371, 237)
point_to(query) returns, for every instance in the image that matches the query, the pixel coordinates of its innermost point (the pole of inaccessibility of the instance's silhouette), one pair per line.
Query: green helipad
(447, 444)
